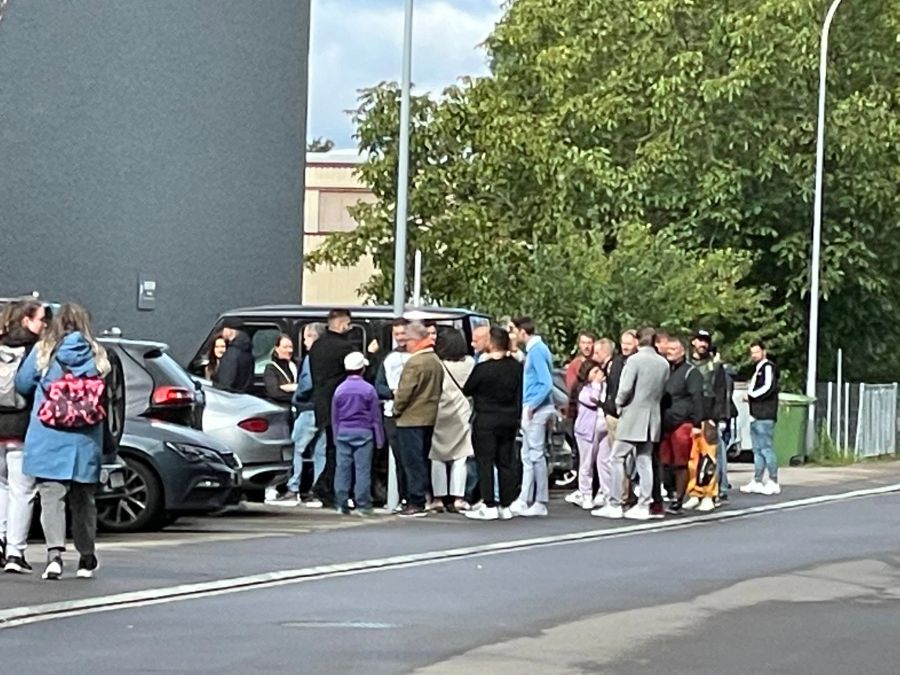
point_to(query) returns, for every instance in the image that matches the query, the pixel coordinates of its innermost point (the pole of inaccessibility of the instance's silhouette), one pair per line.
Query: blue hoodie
(60, 454)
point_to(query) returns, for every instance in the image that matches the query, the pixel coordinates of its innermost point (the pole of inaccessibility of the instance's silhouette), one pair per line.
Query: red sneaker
(657, 511)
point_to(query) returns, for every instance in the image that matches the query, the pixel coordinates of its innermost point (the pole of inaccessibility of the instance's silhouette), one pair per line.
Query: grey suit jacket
(640, 393)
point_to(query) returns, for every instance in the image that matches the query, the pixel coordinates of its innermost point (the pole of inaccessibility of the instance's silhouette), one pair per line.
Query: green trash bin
(790, 429)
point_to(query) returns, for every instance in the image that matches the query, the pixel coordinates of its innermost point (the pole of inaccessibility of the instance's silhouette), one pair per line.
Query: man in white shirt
(386, 381)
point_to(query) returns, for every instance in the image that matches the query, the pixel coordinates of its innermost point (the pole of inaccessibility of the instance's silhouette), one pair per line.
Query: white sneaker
(691, 504)
(608, 511)
(536, 510)
(770, 488)
(313, 503)
(518, 507)
(706, 504)
(505, 513)
(484, 513)
(599, 501)
(754, 487)
(587, 504)
(639, 512)
(575, 498)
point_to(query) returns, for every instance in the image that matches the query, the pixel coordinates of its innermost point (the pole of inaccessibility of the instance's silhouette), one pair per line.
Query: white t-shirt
(393, 367)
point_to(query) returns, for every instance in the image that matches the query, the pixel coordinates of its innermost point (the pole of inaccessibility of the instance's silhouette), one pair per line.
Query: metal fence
(859, 417)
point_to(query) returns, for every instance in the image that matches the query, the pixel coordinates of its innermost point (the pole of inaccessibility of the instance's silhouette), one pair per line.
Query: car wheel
(137, 506)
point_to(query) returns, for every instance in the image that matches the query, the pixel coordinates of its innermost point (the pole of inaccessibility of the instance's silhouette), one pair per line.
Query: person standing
(763, 398)
(358, 429)
(415, 412)
(537, 412)
(326, 364)
(236, 366)
(481, 337)
(584, 352)
(20, 328)
(387, 380)
(216, 352)
(614, 366)
(682, 418)
(591, 436)
(65, 460)
(496, 388)
(305, 430)
(639, 401)
(280, 375)
(451, 444)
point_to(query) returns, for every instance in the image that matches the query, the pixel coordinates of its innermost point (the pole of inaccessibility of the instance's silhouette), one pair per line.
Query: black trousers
(657, 475)
(390, 433)
(415, 445)
(496, 447)
(324, 487)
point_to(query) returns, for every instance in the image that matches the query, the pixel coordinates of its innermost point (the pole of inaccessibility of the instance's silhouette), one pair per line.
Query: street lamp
(403, 168)
(812, 356)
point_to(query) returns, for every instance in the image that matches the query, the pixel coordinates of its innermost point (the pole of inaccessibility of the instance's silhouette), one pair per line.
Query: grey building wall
(163, 137)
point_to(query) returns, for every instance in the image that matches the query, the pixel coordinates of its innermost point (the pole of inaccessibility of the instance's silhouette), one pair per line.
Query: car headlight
(195, 453)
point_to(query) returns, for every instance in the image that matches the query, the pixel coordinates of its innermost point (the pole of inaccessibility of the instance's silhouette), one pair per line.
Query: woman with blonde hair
(64, 441)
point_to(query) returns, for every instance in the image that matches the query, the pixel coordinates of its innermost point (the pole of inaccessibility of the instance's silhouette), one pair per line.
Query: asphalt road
(804, 590)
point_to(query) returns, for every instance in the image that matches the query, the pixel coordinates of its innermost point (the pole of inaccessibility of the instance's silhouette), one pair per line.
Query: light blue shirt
(538, 383)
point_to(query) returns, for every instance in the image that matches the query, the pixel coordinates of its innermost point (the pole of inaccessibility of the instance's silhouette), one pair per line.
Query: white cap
(355, 361)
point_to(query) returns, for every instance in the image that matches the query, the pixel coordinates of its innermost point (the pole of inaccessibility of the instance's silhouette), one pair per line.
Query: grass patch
(827, 452)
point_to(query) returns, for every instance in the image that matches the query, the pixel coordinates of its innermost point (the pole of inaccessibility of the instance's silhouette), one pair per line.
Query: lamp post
(815, 263)
(403, 166)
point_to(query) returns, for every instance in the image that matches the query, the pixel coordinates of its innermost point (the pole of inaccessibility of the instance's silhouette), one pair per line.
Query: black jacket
(276, 374)
(235, 371)
(14, 423)
(683, 398)
(613, 375)
(763, 393)
(326, 365)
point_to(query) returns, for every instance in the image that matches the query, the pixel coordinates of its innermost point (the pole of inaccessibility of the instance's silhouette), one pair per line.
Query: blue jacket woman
(60, 454)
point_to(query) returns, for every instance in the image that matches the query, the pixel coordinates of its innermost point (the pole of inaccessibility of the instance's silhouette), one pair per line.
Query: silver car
(256, 430)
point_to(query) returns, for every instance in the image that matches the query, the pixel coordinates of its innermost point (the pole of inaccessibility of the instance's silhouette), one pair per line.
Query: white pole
(817, 228)
(829, 410)
(403, 166)
(840, 393)
(417, 279)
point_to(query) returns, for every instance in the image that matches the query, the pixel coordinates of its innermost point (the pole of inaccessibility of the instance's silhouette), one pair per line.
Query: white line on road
(21, 616)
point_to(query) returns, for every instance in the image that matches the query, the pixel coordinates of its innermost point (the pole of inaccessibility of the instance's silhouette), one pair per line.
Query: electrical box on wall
(146, 292)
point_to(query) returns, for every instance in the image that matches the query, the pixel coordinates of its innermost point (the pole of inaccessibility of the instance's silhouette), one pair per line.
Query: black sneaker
(411, 511)
(16, 564)
(2, 552)
(54, 568)
(675, 508)
(87, 565)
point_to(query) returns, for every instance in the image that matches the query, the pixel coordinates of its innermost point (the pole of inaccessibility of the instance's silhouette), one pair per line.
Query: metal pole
(403, 166)
(417, 279)
(840, 391)
(829, 410)
(817, 227)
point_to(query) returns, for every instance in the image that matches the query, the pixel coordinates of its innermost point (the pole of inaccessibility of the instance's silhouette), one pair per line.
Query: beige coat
(452, 431)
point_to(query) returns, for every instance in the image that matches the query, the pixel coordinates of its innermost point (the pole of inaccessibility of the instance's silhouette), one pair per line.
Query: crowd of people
(52, 432)
(651, 417)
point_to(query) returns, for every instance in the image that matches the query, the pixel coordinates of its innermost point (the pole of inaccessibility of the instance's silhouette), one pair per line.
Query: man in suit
(638, 399)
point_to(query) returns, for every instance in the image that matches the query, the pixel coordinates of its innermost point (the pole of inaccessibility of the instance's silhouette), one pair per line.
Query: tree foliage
(629, 162)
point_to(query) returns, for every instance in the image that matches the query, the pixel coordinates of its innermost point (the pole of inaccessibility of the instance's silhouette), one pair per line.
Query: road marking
(21, 616)
(187, 540)
(371, 625)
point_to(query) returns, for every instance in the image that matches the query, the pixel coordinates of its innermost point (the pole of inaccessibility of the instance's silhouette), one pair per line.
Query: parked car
(265, 323)
(256, 431)
(170, 470)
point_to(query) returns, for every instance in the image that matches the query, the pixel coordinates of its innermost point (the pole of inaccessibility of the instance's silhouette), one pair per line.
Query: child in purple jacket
(358, 430)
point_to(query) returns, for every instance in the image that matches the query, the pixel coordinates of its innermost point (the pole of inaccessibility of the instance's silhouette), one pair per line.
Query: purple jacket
(590, 401)
(355, 407)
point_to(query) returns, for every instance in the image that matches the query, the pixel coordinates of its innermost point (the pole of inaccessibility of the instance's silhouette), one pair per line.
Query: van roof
(361, 311)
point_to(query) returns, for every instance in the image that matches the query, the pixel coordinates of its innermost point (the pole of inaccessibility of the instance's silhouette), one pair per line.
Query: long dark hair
(212, 361)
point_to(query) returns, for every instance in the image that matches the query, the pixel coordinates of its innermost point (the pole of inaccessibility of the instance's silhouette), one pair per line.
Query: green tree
(606, 122)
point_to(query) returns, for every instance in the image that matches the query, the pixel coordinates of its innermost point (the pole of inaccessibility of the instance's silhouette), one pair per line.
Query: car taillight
(256, 425)
(172, 395)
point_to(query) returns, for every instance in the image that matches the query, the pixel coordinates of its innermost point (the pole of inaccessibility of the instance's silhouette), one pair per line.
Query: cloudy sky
(358, 43)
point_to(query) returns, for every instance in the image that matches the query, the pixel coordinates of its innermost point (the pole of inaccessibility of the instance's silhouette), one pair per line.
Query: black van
(265, 323)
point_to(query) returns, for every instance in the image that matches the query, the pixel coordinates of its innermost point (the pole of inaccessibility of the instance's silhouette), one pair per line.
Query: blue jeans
(535, 475)
(304, 433)
(761, 433)
(353, 452)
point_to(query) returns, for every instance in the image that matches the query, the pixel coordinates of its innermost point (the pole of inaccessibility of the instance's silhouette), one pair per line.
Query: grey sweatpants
(644, 462)
(53, 514)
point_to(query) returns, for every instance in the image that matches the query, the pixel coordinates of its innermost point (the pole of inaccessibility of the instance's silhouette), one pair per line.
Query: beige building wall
(332, 187)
